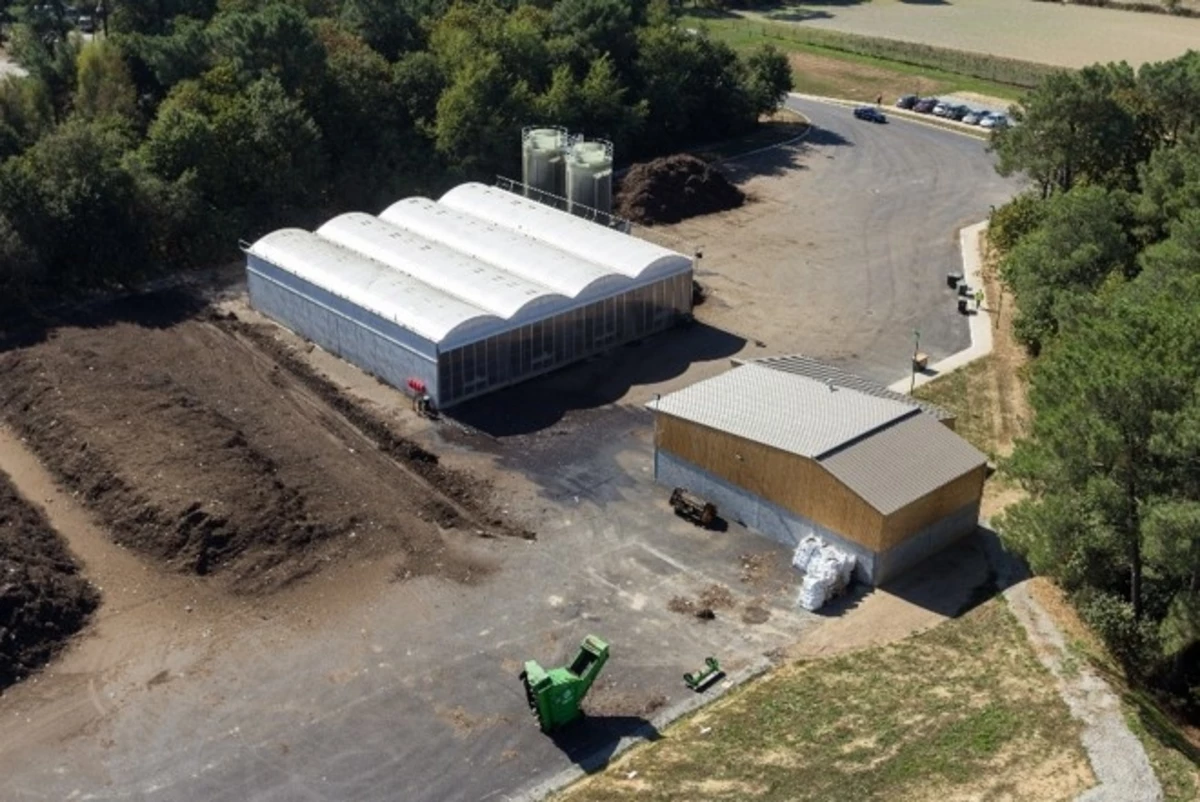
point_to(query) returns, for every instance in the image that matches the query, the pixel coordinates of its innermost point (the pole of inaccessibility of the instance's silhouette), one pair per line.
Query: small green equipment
(701, 680)
(555, 695)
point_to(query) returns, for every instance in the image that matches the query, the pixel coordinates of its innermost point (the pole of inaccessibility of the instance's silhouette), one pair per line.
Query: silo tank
(542, 169)
(589, 177)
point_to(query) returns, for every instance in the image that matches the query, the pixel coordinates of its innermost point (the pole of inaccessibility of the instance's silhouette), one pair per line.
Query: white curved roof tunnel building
(461, 296)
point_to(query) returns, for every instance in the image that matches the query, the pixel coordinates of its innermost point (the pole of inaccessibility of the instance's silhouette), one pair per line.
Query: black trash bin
(962, 306)
(952, 279)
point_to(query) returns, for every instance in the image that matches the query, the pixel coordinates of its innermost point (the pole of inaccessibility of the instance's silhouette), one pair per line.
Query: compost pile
(43, 599)
(202, 450)
(675, 188)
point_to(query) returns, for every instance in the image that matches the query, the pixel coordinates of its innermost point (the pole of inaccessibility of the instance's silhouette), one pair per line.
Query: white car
(976, 117)
(994, 121)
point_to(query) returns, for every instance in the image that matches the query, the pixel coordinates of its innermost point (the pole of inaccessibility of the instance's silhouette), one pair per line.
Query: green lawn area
(966, 393)
(964, 710)
(837, 73)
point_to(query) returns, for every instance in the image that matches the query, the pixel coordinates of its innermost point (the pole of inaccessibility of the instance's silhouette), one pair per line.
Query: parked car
(976, 117)
(926, 105)
(958, 112)
(87, 23)
(870, 113)
(907, 102)
(994, 121)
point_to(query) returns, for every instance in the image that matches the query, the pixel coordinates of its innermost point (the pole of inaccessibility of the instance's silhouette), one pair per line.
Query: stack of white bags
(827, 571)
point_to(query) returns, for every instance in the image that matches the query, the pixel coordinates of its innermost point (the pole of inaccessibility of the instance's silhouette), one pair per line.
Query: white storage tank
(589, 177)
(542, 169)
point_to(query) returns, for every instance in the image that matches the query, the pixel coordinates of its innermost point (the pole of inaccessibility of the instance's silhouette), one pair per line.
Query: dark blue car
(870, 113)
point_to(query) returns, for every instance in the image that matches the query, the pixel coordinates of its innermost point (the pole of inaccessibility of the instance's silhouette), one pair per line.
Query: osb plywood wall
(948, 498)
(791, 481)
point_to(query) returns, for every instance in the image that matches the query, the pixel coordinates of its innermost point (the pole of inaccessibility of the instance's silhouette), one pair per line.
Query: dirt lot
(1050, 33)
(197, 448)
(43, 599)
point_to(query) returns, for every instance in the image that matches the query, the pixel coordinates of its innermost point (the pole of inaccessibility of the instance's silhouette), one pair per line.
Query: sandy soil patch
(1049, 33)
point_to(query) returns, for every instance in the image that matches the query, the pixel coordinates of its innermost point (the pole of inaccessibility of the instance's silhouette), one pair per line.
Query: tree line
(194, 123)
(1103, 257)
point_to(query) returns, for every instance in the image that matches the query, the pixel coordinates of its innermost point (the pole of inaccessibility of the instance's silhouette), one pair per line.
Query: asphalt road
(843, 252)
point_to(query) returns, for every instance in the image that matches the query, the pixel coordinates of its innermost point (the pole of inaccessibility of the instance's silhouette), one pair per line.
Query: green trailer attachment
(704, 678)
(555, 695)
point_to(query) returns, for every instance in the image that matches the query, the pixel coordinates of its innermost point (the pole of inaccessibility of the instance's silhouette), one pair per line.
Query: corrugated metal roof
(500, 260)
(823, 372)
(783, 410)
(622, 253)
(394, 296)
(518, 253)
(903, 462)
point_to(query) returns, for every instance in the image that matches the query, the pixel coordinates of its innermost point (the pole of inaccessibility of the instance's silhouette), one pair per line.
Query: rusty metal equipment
(693, 508)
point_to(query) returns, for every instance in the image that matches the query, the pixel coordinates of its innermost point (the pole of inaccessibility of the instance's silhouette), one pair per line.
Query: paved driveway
(365, 689)
(843, 251)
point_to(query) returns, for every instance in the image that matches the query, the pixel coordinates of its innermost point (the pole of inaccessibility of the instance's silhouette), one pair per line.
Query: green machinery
(555, 695)
(702, 679)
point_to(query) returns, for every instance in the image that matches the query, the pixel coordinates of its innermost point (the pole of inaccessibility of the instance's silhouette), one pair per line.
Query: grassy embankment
(988, 398)
(861, 67)
(964, 710)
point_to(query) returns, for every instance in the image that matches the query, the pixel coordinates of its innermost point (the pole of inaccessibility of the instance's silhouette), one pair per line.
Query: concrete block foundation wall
(756, 513)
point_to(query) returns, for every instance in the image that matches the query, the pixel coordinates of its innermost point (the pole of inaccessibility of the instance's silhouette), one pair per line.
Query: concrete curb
(979, 321)
(658, 723)
(952, 126)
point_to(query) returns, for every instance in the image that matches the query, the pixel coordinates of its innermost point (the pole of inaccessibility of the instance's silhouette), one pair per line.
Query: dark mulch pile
(43, 599)
(674, 188)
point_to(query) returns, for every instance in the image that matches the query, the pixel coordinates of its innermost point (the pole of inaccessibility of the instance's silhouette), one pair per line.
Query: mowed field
(1050, 33)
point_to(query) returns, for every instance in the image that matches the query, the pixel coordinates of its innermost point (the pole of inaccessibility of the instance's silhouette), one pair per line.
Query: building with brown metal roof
(789, 455)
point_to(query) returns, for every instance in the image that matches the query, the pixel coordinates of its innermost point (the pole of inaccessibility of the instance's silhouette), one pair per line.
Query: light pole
(912, 385)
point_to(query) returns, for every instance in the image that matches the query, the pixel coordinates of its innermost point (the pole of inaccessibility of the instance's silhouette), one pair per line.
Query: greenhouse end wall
(482, 366)
(380, 347)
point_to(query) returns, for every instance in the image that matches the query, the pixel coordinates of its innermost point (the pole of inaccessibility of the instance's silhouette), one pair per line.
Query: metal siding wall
(379, 347)
(754, 512)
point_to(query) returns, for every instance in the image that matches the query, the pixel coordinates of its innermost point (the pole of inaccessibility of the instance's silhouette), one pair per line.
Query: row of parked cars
(953, 111)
